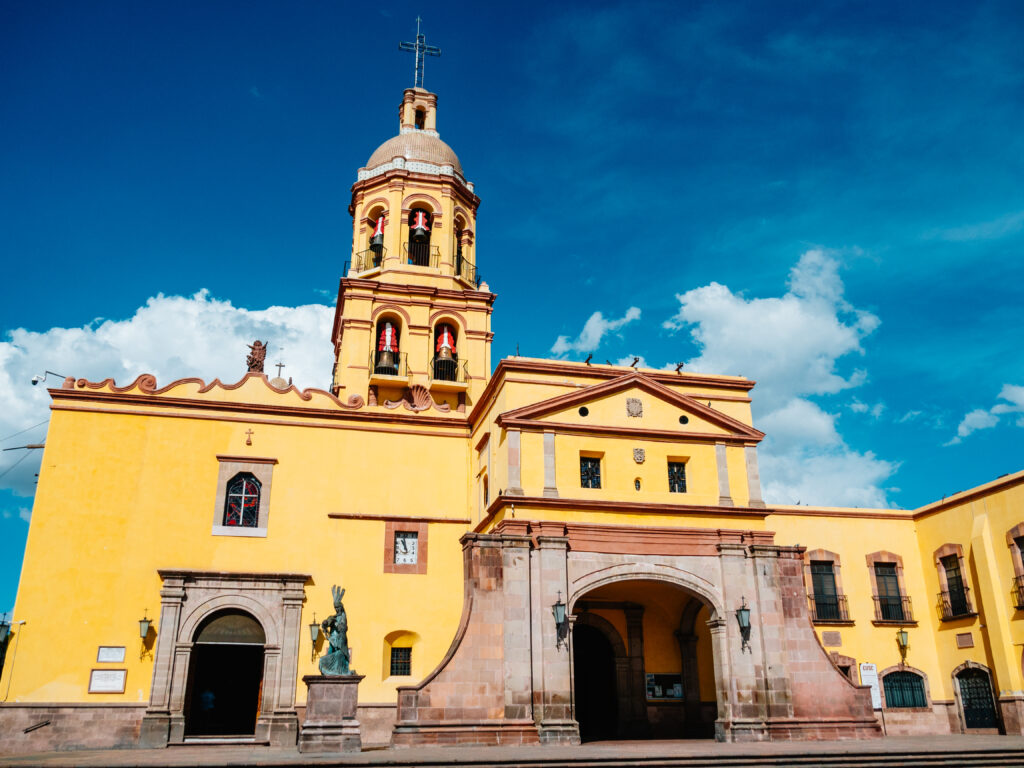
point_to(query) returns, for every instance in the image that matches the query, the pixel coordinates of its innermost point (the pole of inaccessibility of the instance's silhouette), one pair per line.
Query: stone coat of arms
(639, 455)
(634, 407)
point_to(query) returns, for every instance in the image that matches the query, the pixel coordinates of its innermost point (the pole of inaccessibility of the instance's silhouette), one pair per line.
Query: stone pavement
(933, 750)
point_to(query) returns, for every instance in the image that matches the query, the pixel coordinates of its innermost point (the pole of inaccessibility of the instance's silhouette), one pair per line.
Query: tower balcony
(371, 258)
(448, 374)
(466, 270)
(389, 368)
(422, 254)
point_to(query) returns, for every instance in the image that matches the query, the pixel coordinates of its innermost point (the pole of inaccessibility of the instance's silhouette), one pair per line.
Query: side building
(541, 552)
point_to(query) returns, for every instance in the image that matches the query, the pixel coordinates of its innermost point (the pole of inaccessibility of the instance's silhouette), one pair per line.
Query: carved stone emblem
(639, 455)
(634, 407)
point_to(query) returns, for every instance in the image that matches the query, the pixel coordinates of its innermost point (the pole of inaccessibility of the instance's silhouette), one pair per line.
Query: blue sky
(823, 196)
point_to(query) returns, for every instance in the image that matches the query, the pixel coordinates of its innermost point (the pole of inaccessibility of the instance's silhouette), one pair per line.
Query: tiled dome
(415, 146)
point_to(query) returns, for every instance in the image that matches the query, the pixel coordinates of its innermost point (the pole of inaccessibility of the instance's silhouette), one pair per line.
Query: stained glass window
(242, 505)
(677, 477)
(401, 661)
(590, 472)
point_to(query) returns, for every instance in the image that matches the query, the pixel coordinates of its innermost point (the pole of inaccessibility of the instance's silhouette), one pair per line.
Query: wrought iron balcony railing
(466, 269)
(828, 608)
(1018, 592)
(422, 254)
(893, 608)
(955, 604)
(371, 258)
(388, 363)
(449, 369)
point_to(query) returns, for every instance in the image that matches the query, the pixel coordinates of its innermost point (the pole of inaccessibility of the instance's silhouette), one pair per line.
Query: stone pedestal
(331, 724)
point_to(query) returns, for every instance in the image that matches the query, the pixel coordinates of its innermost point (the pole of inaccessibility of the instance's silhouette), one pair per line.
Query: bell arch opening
(225, 676)
(643, 662)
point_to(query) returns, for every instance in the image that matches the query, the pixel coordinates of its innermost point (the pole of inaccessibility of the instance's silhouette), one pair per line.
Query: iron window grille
(242, 502)
(401, 662)
(954, 600)
(890, 604)
(590, 472)
(677, 477)
(904, 690)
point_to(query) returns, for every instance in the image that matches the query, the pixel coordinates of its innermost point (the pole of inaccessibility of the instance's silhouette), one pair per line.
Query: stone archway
(622, 682)
(976, 696)
(190, 598)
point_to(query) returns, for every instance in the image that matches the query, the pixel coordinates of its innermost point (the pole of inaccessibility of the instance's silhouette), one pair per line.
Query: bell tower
(412, 308)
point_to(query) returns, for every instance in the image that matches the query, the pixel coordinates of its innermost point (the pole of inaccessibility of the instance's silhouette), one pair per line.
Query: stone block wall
(60, 727)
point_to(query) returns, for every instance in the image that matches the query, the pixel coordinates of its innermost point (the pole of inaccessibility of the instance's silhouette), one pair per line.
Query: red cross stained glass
(242, 505)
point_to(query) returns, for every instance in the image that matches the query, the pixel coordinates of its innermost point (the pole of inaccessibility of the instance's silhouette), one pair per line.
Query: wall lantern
(314, 634)
(144, 624)
(561, 622)
(743, 619)
(5, 629)
(903, 641)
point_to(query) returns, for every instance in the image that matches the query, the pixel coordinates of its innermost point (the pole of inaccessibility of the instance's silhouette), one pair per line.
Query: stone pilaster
(753, 478)
(513, 447)
(724, 494)
(550, 484)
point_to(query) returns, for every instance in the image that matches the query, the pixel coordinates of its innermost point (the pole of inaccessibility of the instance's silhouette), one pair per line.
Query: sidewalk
(621, 752)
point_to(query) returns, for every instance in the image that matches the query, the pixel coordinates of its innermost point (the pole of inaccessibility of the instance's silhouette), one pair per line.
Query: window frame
(890, 558)
(673, 462)
(229, 467)
(825, 556)
(397, 650)
(900, 670)
(942, 554)
(587, 457)
(244, 480)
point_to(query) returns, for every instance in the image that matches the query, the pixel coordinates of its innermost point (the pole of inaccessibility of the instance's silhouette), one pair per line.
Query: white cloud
(594, 330)
(792, 346)
(171, 337)
(1009, 224)
(980, 419)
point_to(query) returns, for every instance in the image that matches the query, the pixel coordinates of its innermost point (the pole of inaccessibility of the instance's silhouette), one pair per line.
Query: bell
(445, 353)
(420, 227)
(386, 360)
(377, 240)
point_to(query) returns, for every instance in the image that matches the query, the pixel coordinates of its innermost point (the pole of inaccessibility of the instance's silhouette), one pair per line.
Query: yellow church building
(535, 552)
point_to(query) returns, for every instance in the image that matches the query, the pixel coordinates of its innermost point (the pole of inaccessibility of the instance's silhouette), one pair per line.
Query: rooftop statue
(257, 354)
(335, 629)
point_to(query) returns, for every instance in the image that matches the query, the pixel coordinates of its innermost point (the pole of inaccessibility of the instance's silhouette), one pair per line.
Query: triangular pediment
(632, 402)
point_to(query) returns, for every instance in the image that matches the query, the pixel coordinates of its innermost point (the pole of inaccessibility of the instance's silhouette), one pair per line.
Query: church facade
(536, 552)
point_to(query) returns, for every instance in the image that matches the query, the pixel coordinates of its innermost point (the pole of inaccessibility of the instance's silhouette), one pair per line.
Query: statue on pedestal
(257, 354)
(335, 629)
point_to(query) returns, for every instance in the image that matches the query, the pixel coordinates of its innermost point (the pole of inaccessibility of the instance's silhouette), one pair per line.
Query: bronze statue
(335, 629)
(257, 354)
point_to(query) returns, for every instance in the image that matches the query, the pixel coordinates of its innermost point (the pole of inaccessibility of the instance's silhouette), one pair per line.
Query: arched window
(421, 119)
(386, 357)
(376, 243)
(420, 221)
(459, 261)
(904, 690)
(242, 501)
(446, 356)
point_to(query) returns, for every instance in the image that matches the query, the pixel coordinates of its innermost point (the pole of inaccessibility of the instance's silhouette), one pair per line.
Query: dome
(415, 146)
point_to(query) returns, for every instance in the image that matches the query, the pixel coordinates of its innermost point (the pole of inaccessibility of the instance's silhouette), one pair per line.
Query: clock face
(406, 547)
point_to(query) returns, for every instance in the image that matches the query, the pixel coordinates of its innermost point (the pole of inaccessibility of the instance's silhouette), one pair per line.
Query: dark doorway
(594, 673)
(976, 695)
(225, 676)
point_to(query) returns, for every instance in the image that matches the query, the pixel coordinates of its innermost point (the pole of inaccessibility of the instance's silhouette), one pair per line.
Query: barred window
(677, 477)
(826, 596)
(904, 690)
(590, 472)
(401, 661)
(242, 502)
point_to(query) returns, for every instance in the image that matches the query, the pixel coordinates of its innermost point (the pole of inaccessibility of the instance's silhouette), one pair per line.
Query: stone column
(768, 614)
(552, 670)
(724, 494)
(516, 631)
(691, 681)
(723, 679)
(753, 478)
(550, 484)
(155, 730)
(636, 720)
(515, 483)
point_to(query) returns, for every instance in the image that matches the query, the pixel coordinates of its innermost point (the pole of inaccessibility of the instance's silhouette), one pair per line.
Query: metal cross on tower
(422, 50)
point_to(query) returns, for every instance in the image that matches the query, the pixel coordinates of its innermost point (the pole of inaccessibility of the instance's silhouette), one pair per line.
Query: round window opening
(684, 420)
(584, 411)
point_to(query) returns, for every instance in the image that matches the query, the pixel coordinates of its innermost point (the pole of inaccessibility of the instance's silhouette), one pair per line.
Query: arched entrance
(643, 662)
(225, 676)
(594, 661)
(976, 699)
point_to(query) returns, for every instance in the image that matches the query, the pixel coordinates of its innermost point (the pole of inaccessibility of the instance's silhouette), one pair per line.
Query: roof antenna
(587, 361)
(679, 367)
(635, 361)
(517, 349)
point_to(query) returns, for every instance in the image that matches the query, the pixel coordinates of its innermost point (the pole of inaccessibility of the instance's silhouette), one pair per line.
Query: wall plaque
(831, 639)
(111, 654)
(964, 640)
(869, 677)
(107, 680)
